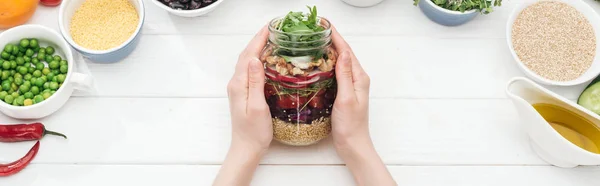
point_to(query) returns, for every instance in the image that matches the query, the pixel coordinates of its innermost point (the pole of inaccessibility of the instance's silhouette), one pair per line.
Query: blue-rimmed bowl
(445, 17)
(116, 54)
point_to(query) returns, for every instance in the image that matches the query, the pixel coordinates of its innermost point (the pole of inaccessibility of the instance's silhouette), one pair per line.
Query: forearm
(365, 164)
(239, 167)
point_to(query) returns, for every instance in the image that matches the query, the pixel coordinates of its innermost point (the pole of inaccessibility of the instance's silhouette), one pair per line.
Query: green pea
(57, 58)
(12, 57)
(40, 81)
(46, 71)
(50, 76)
(15, 94)
(55, 79)
(29, 95)
(5, 75)
(15, 50)
(18, 75)
(24, 88)
(55, 71)
(35, 61)
(49, 58)
(5, 55)
(6, 65)
(61, 78)
(46, 95)
(14, 86)
(44, 78)
(27, 83)
(36, 49)
(20, 61)
(46, 86)
(29, 53)
(34, 90)
(10, 91)
(27, 64)
(13, 64)
(9, 99)
(30, 70)
(53, 65)
(41, 56)
(6, 86)
(42, 50)
(33, 43)
(52, 92)
(10, 79)
(8, 48)
(64, 69)
(39, 66)
(3, 94)
(63, 62)
(32, 80)
(39, 98)
(49, 50)
(24, 43)
(27, 76)
(20, 100)
(23, 70)
(27, 59)
(27, 102)
(18, 81)
(12, 72)
(53, 85)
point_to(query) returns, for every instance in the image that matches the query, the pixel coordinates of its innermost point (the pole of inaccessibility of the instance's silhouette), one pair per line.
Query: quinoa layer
(301, 134)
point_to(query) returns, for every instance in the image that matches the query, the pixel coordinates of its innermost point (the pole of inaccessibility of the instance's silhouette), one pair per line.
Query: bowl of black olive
(188, 8)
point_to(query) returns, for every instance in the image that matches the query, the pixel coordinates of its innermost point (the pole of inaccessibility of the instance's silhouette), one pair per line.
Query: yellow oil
(571, 126)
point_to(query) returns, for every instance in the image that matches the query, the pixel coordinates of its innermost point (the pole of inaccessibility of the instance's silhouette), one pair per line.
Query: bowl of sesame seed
(102, 31)
(554, 42)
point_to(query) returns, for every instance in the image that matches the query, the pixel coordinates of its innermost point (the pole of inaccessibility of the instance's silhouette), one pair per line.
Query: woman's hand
(250, 117)
(350, 119)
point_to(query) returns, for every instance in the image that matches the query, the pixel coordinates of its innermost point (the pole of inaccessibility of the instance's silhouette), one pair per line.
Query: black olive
(194, 5)
(176, 5)
(184, 1)
(197, 0)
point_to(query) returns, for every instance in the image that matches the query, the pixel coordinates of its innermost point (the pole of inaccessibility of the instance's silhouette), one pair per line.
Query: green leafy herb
(300, 31)
(483, 6)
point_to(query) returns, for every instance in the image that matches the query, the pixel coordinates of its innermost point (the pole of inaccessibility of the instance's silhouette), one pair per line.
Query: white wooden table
(439, 115)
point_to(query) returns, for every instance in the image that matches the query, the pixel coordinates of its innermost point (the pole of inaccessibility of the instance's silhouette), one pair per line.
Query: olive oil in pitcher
(571, 126)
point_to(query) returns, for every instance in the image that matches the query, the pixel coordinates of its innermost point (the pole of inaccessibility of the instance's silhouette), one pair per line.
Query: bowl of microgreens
(300, 84)
(455, 12)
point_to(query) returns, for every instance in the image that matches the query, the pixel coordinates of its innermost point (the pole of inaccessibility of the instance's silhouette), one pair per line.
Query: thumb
(256, 81)
(343, 74)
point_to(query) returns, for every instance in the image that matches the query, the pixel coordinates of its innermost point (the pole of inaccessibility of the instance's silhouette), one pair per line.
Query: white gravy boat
(547, 143)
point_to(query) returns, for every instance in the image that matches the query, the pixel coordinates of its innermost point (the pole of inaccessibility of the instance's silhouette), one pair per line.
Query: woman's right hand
(350, 119)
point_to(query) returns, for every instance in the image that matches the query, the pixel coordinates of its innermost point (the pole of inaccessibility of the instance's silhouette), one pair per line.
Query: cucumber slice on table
(590, 97)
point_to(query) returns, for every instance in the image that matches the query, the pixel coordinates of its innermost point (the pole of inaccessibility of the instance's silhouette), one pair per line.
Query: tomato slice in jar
(291, 101)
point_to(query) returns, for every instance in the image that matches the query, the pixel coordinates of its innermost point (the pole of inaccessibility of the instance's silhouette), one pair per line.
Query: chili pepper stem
(55, 133)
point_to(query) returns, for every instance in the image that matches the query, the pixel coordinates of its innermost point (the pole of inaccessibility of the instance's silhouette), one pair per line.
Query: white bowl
(46, 37)
(590, 15)
(188, 13)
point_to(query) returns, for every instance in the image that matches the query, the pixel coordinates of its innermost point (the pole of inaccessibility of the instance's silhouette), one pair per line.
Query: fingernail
(255, 65)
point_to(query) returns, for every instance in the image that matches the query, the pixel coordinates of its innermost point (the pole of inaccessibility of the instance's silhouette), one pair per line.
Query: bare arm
(350, 120)
(251, 128)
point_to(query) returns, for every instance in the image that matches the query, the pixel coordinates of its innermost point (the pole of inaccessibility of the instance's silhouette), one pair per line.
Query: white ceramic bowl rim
(186, 11)
(449, 11)
(591, 19)
(68, 54)
(67, 35)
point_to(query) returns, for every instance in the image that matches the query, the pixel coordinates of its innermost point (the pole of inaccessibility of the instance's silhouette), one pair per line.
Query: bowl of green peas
(36, 72)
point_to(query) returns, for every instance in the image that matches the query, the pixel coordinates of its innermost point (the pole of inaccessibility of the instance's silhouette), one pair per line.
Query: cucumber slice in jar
(590, 97)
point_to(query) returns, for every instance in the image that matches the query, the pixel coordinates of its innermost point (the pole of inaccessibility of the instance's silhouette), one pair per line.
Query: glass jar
(300, 83)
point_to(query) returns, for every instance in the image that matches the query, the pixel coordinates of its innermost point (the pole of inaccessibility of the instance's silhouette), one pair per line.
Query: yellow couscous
(102, 25)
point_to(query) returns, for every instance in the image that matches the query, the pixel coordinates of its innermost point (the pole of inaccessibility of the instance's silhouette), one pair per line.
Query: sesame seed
(554, 40)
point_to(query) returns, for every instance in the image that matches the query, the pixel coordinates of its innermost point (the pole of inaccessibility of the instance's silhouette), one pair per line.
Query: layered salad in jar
(300, 84)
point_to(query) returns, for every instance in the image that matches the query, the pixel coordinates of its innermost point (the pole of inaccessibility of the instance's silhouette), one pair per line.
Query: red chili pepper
(25, 132)
(17, 166)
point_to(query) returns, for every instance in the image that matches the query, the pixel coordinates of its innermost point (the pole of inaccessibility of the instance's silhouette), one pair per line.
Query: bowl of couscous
(102, 31)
